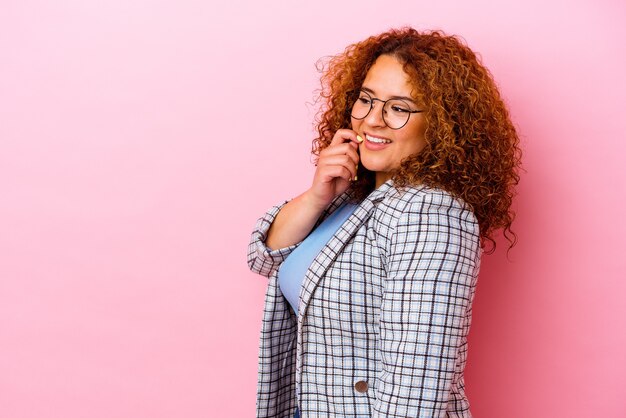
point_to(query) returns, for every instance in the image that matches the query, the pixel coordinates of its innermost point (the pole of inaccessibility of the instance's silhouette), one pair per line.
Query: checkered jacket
(385, 309)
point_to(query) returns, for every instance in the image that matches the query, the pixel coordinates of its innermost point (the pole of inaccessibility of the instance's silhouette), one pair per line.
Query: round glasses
(396, 112)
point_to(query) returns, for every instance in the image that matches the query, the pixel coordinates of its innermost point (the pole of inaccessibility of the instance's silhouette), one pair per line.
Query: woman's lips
(373, 143)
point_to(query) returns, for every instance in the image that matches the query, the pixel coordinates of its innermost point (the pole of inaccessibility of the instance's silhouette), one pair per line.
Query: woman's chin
(371, 164)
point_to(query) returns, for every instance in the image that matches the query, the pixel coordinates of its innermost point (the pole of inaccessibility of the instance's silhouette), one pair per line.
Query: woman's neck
(381, 177)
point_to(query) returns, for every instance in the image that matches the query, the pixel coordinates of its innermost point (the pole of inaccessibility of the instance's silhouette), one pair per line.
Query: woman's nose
(375, 116)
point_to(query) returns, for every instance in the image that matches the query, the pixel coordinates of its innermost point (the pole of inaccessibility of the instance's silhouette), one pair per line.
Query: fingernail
(358, 138)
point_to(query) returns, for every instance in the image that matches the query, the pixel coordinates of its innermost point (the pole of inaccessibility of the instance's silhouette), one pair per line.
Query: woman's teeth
(377, 140)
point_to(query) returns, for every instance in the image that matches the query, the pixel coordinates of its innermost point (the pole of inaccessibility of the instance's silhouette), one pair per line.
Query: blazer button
(361, 386)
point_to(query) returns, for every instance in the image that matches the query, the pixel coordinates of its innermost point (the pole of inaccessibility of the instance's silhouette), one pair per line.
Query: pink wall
(140, 140)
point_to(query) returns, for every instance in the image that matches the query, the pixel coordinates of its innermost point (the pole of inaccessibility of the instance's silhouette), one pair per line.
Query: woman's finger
(339, 160)
(334, 172)
(345, 135)
(343, 149)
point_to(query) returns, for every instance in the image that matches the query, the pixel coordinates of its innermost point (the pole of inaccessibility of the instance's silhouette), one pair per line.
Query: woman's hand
(336, 168)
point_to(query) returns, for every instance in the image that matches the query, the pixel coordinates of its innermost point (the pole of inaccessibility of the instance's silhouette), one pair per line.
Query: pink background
(140, 141)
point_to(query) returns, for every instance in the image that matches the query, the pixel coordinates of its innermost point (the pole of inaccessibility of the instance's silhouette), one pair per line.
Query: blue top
(294, 268)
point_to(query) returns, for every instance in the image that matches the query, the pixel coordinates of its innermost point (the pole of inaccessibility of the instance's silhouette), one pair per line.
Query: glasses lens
(396, 113)
(362, 106)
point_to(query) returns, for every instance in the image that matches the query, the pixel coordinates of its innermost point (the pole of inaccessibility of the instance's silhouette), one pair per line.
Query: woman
(373, 268)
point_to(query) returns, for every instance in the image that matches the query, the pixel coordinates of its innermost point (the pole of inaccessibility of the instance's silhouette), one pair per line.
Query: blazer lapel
(335, 245)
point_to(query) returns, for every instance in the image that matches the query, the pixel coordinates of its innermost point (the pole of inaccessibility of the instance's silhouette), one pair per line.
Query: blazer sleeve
(261, 259)
(431, 270)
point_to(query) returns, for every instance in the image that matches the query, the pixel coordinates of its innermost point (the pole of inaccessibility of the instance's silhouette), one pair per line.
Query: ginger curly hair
(472, 148)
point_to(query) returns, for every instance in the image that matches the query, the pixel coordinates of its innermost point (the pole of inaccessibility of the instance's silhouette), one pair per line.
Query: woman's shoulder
(424, 199)
(422, 209)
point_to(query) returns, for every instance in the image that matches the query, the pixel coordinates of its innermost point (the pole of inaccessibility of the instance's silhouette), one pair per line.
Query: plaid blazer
(385, 309)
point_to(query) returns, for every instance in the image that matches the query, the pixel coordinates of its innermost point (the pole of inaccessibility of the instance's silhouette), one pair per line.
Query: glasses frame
(384, 102)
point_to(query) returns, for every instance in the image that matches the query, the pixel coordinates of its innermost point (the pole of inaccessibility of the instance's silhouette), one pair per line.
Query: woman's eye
(364, 100)
(399, 109)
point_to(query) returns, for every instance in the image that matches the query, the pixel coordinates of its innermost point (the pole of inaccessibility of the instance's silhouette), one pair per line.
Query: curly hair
(472, 148)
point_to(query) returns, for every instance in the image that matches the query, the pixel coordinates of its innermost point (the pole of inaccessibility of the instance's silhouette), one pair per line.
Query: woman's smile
(374, 143)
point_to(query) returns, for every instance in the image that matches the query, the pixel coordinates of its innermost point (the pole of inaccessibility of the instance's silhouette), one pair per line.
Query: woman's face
(384, 148)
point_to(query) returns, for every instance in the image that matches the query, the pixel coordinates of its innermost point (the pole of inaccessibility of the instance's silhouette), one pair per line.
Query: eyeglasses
(396, 112)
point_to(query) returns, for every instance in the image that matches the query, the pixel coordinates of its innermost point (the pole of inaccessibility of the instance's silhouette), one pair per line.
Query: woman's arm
(294, 221)
(278, 233)
(262, 259)
(431, 273)
(284, 226)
